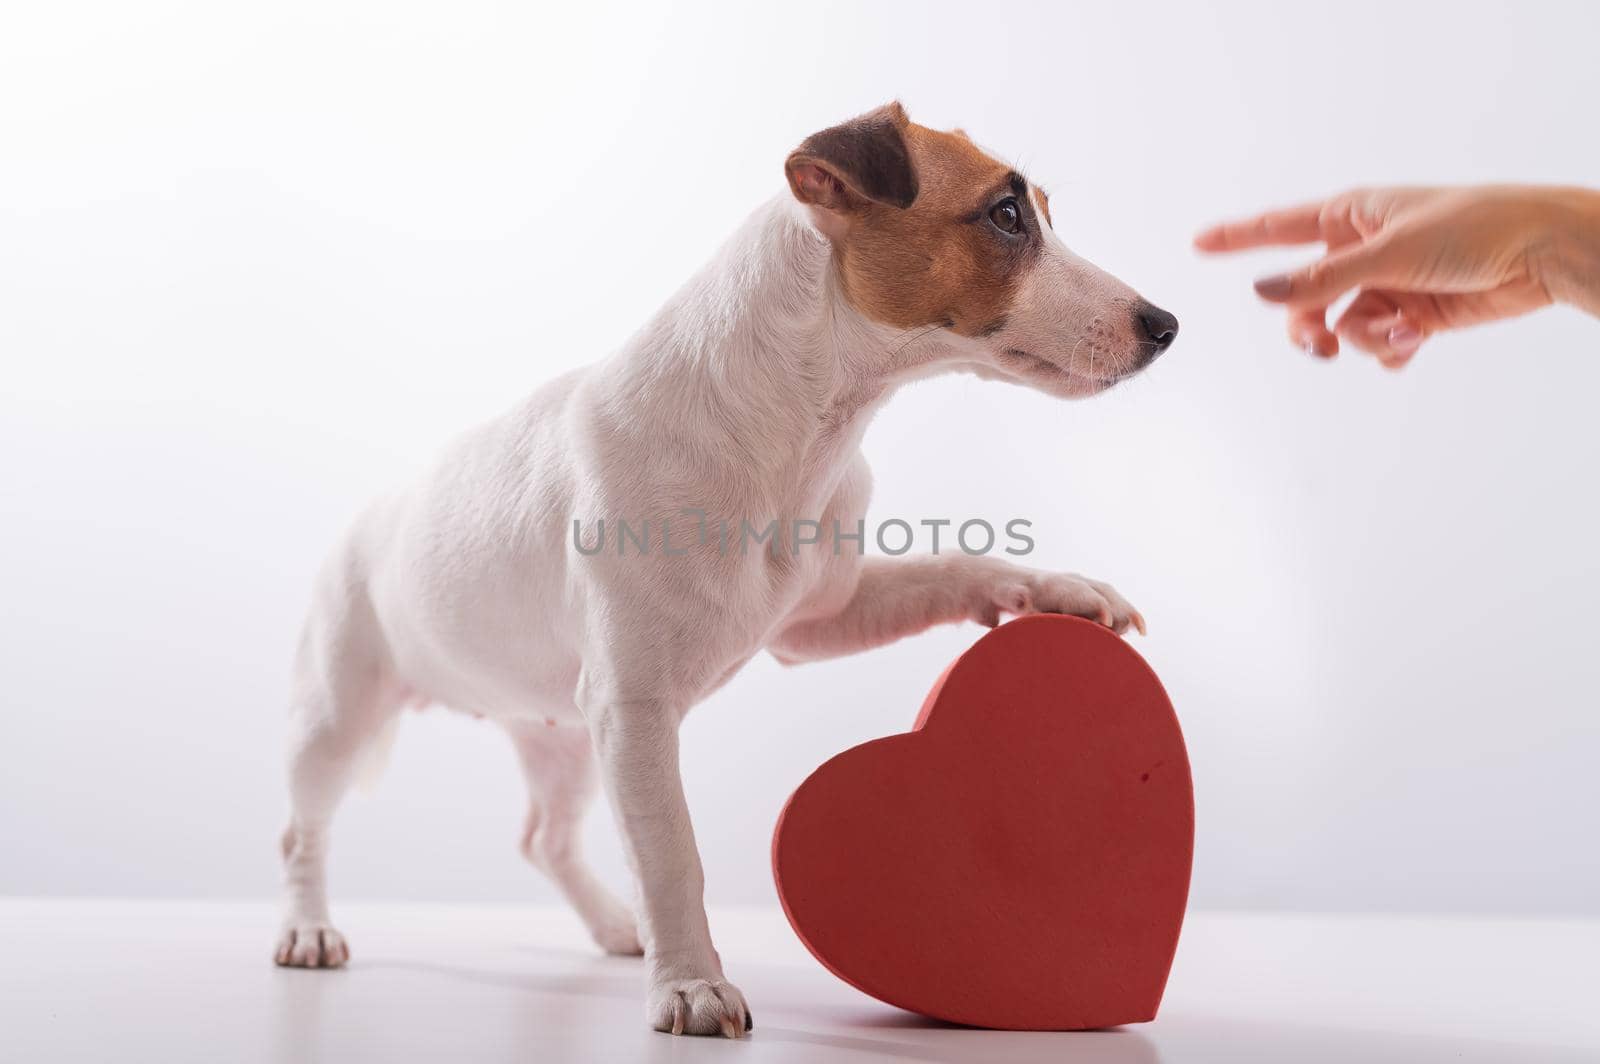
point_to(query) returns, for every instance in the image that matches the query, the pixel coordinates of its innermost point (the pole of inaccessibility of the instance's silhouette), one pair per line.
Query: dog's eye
(1006, 216)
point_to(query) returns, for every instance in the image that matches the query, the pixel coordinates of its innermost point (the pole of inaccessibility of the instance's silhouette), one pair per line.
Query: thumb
(1323, 281)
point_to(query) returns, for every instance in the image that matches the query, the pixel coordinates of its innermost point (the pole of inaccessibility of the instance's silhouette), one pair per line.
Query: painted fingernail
(1404, 340)
(1276, 286)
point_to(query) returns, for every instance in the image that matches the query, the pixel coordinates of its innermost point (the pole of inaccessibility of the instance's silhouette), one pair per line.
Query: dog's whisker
(895, 354)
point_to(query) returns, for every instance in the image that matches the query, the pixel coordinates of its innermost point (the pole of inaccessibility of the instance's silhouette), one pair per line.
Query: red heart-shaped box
(1020, 859)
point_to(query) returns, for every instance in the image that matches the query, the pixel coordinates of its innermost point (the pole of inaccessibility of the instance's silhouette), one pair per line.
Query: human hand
(1425, 260)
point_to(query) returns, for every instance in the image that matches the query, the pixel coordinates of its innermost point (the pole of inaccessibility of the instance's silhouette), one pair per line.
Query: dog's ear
(863, 161)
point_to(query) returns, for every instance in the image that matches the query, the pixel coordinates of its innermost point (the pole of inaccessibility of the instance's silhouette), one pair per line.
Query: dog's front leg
(897, 597)
(637, 745)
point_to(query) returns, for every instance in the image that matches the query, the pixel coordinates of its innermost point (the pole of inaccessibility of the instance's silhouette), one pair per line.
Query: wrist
(1565, 255)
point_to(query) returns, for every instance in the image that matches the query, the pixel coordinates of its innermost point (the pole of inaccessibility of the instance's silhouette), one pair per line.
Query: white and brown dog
(898, 252)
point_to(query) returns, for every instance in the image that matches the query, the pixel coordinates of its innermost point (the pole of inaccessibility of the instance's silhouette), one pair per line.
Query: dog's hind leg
(344, 693)
(560, 769)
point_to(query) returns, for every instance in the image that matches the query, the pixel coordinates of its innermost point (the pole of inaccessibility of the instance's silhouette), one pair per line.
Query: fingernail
(1275, 287)
(1404, 340)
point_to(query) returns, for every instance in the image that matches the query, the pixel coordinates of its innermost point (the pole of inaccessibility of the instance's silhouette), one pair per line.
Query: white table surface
(192, 981)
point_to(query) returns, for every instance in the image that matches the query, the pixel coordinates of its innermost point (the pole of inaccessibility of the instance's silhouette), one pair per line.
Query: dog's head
(929, 231)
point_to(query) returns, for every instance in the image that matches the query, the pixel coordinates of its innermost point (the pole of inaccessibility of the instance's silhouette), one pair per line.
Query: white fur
(746, 396)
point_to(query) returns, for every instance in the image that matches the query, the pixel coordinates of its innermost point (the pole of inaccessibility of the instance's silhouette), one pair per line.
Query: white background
(258, 262)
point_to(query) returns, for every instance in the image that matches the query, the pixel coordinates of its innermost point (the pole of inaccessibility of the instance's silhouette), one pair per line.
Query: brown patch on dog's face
(930, 232)
(953, 255)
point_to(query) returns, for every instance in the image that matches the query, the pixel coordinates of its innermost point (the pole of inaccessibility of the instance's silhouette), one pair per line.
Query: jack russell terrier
(898, 252)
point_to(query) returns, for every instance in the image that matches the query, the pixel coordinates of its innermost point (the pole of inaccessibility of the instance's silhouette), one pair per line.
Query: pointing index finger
(1292, 225)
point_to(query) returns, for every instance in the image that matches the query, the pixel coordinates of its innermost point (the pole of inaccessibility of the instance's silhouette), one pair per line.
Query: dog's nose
(1155, 326)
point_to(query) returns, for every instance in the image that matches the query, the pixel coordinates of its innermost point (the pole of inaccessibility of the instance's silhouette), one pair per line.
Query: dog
(896, 252)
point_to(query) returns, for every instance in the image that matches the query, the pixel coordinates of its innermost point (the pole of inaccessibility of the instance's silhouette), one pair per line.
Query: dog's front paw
(304, 944)
(1024, 592)
(698, 1006)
